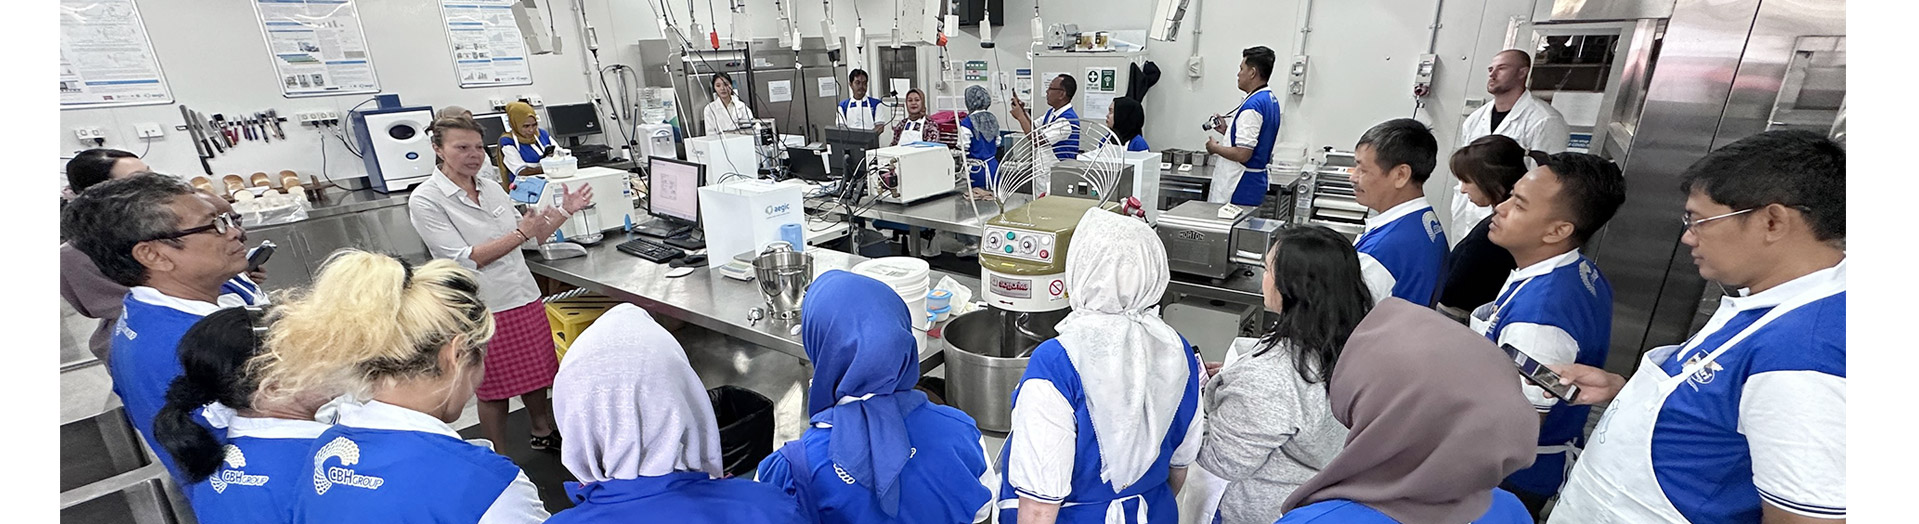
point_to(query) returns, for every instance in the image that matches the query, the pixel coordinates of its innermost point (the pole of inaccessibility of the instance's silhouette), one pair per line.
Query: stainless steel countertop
(704, 298)
(1240, 287)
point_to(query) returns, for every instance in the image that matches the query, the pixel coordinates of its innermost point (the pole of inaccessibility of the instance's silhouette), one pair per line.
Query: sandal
(546, 443)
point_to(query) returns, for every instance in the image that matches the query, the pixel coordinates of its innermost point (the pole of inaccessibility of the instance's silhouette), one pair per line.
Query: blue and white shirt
(1767, 419)
(1067, 149)
(690, 497)
(1403, 252)
(979, 147)
(1505, 509)
(1557, 311)
(1255, 126)
(267, 464)
(858, 113)
(1052, 454)
(385, 463)
(946, 477)
(519, 156)
(145, 356)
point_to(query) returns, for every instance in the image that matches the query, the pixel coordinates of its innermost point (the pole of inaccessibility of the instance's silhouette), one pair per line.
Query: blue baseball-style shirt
(1557, 311)
(1403, 252)
(145, 357)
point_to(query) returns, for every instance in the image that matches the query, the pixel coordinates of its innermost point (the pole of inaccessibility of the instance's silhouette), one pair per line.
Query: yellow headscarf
(518, 113)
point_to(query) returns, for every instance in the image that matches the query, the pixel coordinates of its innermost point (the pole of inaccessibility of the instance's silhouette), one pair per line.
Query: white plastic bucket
(908, 277)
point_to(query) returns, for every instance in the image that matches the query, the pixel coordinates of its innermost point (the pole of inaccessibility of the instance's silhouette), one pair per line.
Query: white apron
(913, 131)
(1614, 481)
(1226, 175)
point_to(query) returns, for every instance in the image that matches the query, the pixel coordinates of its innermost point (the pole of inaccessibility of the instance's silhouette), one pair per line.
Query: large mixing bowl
(783, 275)
(986, 353)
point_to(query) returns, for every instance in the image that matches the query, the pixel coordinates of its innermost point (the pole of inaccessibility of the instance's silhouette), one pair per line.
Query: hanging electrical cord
(623, 112)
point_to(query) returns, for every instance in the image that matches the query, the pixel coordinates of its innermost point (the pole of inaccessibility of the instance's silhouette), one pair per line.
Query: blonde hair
(369, 320)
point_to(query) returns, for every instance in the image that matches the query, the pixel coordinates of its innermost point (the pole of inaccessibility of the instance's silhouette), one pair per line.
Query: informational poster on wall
(487, 47)
(106, 59)
(780, 91)
(317, 47)
(1100, 85)
(829, 87)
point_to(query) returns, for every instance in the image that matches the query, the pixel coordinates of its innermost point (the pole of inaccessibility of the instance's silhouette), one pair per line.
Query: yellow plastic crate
(569, 317)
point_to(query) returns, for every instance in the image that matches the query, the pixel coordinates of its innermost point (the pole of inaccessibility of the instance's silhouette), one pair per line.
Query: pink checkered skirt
(520, 357)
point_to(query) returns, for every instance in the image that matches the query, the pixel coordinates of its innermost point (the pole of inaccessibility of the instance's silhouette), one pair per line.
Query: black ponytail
(213, 354)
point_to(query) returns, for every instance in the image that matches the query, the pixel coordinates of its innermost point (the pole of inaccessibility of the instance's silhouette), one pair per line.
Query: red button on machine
(1044, 254)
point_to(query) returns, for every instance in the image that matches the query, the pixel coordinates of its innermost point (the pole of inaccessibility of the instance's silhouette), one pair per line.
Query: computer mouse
(693, 260)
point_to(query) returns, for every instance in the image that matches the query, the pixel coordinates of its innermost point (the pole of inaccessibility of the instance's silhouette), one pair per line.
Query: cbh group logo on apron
(1705, 374)
(349, 454)
(231, 475)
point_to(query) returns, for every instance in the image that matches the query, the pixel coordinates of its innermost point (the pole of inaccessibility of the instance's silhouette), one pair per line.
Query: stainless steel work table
(1240, 287)
(705, 298)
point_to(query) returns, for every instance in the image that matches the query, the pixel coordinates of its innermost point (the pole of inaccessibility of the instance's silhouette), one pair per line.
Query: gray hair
(108, 219)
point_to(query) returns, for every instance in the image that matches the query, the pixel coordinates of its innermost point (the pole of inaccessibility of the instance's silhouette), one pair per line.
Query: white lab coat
(721, 118)
(1532, 123)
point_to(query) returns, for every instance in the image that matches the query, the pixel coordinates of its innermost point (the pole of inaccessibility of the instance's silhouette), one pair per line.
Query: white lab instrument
(655, 140)
(744, 215)
(725, 156)
(612, 202)
(906, 174)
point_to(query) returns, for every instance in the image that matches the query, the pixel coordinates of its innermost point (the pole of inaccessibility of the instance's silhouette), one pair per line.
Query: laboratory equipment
(672, 197)
(1251, 238)
(394, 144)
(655, 140)
(725, 155)
(744, 215)
(907, 174)
(1328, 193)
(1198, 238)
(612, 205)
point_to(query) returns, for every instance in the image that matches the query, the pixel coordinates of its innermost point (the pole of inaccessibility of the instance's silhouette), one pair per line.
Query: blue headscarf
(859, 336)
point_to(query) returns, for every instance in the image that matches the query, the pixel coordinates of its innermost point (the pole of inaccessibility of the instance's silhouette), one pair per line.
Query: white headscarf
(1132, 365)
(630, 405)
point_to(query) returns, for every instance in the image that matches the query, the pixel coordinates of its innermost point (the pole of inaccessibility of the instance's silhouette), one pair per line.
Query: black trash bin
(746, 427)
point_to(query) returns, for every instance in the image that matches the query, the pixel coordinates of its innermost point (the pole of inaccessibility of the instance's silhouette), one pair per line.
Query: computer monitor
(849, 147)
(571, 120)
(674, 190)
(494, 125)
(806, 164)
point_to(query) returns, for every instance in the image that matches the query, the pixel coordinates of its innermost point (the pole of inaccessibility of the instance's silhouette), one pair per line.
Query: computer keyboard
(650, 251)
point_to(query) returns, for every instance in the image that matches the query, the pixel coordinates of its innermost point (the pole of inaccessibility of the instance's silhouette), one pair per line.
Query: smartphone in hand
(1539, 375)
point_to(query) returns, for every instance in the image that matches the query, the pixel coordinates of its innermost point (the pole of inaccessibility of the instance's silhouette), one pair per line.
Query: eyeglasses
(221, 225)
(1051, 88)
(1686, 218)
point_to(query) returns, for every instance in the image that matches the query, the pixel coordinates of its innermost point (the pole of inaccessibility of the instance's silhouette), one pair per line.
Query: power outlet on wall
(532, 99)
(496, 103)
(148, 130)
(89, 135)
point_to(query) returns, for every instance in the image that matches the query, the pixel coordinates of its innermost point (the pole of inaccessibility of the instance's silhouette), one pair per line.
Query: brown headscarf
(518, 113)
(1437, 419)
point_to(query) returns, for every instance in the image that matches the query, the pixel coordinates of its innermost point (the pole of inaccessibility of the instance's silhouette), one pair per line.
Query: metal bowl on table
(986, 353)
(783, 275)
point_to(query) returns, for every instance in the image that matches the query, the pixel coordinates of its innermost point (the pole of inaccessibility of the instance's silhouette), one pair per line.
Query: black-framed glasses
(221, 225)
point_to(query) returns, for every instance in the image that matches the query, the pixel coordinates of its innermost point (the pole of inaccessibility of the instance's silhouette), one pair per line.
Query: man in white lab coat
(1513, 113)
